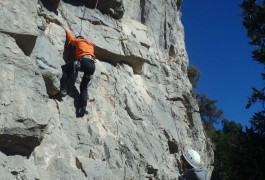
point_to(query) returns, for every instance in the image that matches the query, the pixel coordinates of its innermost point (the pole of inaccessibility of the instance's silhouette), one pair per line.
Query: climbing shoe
(81, 112)
(63, 92)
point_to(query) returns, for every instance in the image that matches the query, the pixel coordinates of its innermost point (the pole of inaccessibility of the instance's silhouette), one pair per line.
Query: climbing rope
(170, 104)
(115, 95)
(84, 11)
(91, 19)
(96, 4)
(82, 20)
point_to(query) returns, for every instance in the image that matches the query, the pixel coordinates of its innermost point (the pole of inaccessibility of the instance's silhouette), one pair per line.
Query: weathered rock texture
(141, 112)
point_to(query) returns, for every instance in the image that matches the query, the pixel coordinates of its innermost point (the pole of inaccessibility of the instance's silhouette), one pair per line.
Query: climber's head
(192, 158)
(80, 37)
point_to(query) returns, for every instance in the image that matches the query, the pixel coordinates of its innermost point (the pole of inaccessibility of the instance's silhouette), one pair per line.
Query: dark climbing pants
(88, 67)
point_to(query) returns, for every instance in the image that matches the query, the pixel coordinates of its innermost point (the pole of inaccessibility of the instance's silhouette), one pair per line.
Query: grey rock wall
(141, 112)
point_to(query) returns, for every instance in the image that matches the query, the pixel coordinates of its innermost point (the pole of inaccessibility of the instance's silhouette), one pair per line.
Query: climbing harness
(77, 66)
(171, 108)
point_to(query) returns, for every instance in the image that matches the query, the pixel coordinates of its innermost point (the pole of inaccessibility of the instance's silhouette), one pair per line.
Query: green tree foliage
(254, 21)
(239, 154)
(258, 119)
(254, 142)
(194, 75)
(253, 165)
(209, 112)
(227, 159)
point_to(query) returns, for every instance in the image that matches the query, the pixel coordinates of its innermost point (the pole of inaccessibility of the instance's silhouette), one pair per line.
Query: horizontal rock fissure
(93, 21)
(18, 144)
(50, 5)
(135, 62)
(145, 45)
(98, 22)
(14, 173)
(114, 8)
(175, 99)
(21, 39)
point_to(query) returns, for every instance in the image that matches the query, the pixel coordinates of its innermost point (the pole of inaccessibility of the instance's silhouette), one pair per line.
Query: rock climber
(190, 161)
(84, 62)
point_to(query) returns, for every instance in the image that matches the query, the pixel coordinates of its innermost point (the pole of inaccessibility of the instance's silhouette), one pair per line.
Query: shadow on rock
(114, 8)
(51, 5)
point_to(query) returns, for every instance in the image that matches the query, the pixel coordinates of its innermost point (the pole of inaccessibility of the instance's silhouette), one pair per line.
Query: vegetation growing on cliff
(239, 153)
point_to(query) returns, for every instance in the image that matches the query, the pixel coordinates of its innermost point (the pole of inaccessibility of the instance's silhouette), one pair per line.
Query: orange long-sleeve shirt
(82, 46)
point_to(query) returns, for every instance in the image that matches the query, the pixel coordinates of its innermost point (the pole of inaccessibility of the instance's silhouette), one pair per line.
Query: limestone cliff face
(141, 112)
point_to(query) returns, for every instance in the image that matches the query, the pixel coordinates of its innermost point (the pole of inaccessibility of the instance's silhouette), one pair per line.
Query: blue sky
(217, 43)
